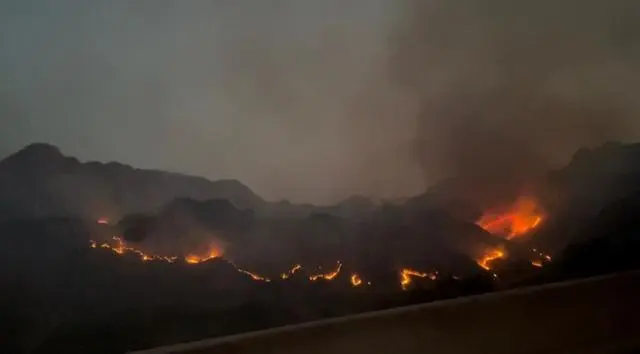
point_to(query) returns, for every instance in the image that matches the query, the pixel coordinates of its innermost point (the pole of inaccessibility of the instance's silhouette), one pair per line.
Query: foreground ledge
(595, 315)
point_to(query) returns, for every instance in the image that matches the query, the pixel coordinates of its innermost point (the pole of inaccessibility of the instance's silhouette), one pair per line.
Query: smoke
(508, 89)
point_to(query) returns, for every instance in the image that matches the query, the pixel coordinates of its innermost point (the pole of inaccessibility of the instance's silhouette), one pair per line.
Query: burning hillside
(512, 221)
(491, 255)
(120, 248)
(515, 220)
(407, 275)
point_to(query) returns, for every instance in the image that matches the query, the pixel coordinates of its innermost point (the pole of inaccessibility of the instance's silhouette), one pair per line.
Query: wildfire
(253, 276)
(521, 217)
(214, 252)
(290, 272)
(120, 248)
(355, 280)
(327, 276)
(103, 221)
(490, 256)
(539, 262)
(406, 274)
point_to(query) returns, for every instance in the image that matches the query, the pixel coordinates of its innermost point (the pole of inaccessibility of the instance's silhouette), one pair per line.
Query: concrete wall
(597, 315)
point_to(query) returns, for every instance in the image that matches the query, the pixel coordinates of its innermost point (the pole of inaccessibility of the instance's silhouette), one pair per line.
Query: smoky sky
(316, 100)
(509, 89)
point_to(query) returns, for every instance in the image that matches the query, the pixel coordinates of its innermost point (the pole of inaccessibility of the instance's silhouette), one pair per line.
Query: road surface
(596, 315)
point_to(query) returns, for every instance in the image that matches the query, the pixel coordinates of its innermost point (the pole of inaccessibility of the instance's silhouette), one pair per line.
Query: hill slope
(40, 181)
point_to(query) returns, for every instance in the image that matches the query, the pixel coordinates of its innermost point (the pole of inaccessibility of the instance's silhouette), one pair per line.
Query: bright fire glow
(253, 276)
(355, 280)
(541, 259)
(406, 274)
(490, 256)
(524, 215)
(290, 272)
(120, 248)
(214, 252)
(103, 221)
(327, 276)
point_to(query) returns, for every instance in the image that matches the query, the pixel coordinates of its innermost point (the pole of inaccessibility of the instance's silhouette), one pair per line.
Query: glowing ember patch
(103, 221)
(537, 264)
(543, 258)
(355, 280)
(407, 274)
(327, 276)
(523, 216)
(252, 275)
(120, 248)
(290, 272)
(213, 253)
(490, 256)
(192, 259)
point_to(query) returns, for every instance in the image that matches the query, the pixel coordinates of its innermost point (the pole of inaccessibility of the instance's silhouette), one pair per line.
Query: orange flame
(290, 272)
(539, 262)
(327, 276)
(520, 218)
(253, 276)
(490, 256)
(355, 280)
(120, 248)
(214, 252)
(103, 221)
(406, 274)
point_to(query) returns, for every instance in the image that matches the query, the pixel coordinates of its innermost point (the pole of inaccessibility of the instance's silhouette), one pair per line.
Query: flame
(120, 248)
(214, 252)
(290, 272)
(103, 221)
(253, 276)
(490, 256)
(355, 280)
(539, 262)
(327, 276)
(524, 215)
(407, 273)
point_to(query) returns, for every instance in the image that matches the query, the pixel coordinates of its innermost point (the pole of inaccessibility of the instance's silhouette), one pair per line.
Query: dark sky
(299, 99)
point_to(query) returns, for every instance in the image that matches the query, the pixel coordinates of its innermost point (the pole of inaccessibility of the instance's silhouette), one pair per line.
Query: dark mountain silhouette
(575, 195)
(610, 242)
(40, 181)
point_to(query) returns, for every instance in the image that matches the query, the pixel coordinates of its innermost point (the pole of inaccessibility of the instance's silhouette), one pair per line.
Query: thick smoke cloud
(507, 89)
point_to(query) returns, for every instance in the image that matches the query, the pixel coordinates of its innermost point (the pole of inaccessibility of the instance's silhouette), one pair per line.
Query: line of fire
(507, 224)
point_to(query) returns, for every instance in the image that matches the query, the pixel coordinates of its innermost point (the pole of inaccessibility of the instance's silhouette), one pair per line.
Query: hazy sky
(275, 94)
(298, 99)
